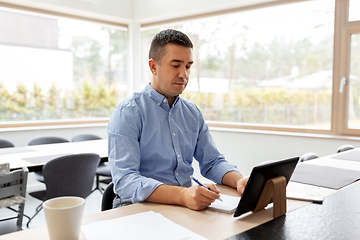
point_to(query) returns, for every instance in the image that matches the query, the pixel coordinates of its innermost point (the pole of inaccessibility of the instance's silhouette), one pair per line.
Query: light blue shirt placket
(174, 138)
(176, 144)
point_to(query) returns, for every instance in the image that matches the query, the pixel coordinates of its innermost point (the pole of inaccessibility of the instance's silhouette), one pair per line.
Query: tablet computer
(258, 177)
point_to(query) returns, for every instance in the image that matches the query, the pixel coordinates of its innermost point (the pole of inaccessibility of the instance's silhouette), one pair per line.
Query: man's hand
(198, 197)
(235, 180)
(241, 184)
(195, 197)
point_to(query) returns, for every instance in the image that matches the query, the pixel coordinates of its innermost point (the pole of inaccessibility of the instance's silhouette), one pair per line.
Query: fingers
(241, 184)
(199, 197)
(241, 189)
(213, 187)
(208, 196)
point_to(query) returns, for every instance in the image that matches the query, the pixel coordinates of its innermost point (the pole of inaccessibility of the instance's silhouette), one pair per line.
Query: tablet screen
(258, 177)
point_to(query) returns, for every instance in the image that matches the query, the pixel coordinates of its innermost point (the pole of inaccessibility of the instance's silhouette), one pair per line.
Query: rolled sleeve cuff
(221, 170)
(145, 189)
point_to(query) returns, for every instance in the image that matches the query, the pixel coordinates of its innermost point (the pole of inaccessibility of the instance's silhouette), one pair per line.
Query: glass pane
(269, 66)
(57, 68)
(354, 10)
(354, 86)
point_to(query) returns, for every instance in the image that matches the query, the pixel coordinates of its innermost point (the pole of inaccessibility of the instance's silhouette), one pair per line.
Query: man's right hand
(198, 197)
(195, 197)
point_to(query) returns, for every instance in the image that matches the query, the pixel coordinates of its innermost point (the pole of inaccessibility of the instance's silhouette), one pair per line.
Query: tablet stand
(274, 188)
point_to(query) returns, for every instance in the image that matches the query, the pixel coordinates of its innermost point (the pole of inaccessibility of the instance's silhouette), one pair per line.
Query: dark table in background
(338, 217)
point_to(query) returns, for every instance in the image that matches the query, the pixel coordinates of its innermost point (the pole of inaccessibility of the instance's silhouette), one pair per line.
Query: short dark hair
(160, 40)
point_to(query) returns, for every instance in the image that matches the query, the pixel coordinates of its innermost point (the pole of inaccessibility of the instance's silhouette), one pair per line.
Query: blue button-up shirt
(152, 144)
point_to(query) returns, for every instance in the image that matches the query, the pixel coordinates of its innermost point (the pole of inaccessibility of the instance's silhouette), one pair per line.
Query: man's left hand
(241, 184)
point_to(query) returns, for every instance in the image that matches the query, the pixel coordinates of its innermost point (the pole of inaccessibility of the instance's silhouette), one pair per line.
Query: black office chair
(5, 143)
(108, 197)
(103, 169)
(85, 137)
(12, 192)
(344, 148)
(45, 140)
(308, 156)
(70, 175)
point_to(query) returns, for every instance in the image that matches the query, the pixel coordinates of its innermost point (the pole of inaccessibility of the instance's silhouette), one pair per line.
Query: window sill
(49, 125)
(283, 133)
(214, 126)
(278, 130)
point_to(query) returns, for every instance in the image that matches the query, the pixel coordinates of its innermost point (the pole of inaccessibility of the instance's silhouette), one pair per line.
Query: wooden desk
(211, 224)
(34, 157)
(206, 223)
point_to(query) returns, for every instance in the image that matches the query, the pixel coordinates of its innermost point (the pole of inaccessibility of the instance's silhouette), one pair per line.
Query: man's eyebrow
(180, 61)
(176, 60)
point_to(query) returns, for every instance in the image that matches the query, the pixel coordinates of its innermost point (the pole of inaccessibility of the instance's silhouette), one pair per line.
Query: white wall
(158, 10)
(21, 137)
(142, 11)
(249, 149)
(121, 11)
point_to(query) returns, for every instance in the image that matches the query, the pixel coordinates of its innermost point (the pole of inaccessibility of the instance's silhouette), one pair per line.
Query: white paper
(228, 205)
(146, 225)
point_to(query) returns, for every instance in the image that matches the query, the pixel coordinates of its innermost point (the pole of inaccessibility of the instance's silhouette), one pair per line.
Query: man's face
(171, 76)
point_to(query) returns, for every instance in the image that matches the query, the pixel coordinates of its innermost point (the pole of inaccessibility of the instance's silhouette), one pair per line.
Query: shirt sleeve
(213, 164)
(124, 155)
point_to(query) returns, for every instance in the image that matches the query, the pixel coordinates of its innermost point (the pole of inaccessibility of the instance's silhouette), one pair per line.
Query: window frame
(342, 48)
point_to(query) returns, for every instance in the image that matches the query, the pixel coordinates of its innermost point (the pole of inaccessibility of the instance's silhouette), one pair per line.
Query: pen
(198, 182)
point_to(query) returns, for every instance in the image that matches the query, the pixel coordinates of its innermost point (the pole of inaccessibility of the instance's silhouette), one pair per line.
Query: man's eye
(175, 66)
(188, 67)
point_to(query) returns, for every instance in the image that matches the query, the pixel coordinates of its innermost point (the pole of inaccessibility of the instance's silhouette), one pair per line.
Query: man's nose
(184, 73)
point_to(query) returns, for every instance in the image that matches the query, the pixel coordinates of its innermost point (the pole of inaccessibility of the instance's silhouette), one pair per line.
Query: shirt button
(177, 174)
(173, 134)
(178, 155)
(158, 103)
(164, 100)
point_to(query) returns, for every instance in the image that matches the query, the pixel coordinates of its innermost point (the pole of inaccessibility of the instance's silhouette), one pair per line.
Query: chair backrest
(14, 183)
(70, 175)
(108, 197)
(85, 137)
(344, 148)
(5, 143)
(308, 156)
(47, 140)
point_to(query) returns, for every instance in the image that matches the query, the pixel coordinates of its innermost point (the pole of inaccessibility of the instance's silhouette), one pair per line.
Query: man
(154, 136)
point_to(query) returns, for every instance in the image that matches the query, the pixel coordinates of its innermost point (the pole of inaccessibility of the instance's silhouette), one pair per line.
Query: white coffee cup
(63, 217)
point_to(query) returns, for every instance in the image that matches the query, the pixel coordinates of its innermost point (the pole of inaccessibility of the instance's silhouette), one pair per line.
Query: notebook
(228, 205)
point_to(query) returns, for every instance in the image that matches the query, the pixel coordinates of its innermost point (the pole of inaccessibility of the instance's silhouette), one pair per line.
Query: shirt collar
(157, 97)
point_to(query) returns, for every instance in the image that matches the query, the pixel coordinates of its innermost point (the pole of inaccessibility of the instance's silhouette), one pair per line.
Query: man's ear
(153, 65)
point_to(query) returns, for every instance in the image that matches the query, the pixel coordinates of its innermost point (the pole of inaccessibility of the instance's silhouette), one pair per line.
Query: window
(354, 6)
(354, 85)
(269, 67)
(57, 68)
